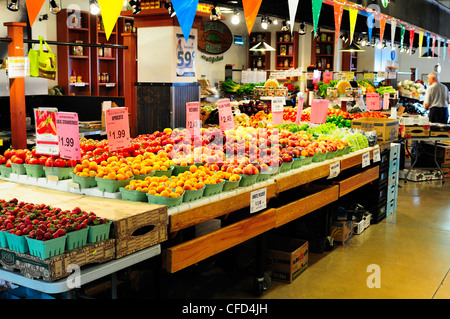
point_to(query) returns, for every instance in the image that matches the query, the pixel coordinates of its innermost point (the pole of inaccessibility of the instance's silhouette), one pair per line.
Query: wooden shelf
(79, 29)
(321, 60)
(281, 58)
(78, 57)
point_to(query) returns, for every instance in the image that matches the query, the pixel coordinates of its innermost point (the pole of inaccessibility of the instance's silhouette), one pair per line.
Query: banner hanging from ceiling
(411, 39)
(185, 11)
(353, 15)
(420, 42)
(293, 4)
(433, 44)
(393, 29)
(316, 8)
(251, 8)
(382, 27)
(110, 10)
(338, 11)
(402, 35)
(370, 20)
(33, 8)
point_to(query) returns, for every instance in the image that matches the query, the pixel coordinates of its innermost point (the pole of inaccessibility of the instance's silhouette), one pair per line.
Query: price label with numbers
(226, 118)
(386, 97)
(185, 55)
(278, 104)
(365, 159)
(68, 129)
(373, 101)
(193, 122)
(117, 128)
(327, 77)
(376, 155)
(258, 200)
(335, 169)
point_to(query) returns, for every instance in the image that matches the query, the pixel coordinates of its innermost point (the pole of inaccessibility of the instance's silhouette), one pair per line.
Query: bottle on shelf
(317, 49)
(286, 63)
(259, 64)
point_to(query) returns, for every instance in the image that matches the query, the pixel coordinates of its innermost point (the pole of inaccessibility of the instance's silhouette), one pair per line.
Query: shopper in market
(436, 100)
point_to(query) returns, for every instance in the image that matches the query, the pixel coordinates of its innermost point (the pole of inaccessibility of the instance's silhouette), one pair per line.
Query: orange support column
(130, 69)
(17, 89)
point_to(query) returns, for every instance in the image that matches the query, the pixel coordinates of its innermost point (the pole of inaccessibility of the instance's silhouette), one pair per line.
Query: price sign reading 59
(185, 59)
(117, 128)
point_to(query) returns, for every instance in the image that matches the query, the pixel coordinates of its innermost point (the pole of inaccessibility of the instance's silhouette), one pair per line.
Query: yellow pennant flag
(420, 42)
(110, 10)
(353, 14)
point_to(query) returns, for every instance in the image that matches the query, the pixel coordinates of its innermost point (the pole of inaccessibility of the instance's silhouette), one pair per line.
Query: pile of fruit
(374, 114)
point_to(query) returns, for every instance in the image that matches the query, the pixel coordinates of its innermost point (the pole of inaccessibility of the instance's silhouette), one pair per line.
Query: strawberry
(47, 235)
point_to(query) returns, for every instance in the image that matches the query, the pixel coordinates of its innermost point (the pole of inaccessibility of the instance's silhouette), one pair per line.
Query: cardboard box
(414, 131)
(342, 231)
(442, 151)
(287, 258)
(417, 175)
(387, 129)
(105, 106)
(55, 268)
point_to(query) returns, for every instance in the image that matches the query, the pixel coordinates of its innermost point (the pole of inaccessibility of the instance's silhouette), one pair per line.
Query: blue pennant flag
(370, 19)
(185, 10)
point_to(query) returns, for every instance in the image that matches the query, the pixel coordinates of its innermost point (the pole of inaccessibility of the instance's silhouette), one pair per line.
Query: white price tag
(365, 159)
(278, 103)
(376, 155)
(258, 200)
(335, 169)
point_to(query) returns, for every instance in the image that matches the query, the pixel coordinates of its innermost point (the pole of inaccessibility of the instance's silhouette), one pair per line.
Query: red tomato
(33, 161)
(59, 162)
(42, 160)
(49, 162)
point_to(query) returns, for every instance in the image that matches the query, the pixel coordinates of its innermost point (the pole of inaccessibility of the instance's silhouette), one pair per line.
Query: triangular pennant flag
(443, 51)
(402, 35)
(420, 42)
(370, 20)
(110, 10)
(428, 43)
(33, 9)
(411, 39)
(433, 45)
(382, 26)
(448, 47)
(438, 48)
(251, 8)
(338, 10)
(393, 29)
(316, 8)
(353, 14)
(293, 4)
(186, 11)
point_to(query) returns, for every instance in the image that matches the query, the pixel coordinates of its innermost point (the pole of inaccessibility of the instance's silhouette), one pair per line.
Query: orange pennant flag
(382, 26)
(251, 8)
(33, 8)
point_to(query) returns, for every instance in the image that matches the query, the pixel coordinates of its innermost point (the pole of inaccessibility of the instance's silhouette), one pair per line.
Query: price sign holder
(68, 129)
(300, 101)
(117, 128)
(365, 159)
(373, 101)
(226, 119)
(193, 122)
(258, 200)
(376, 155)
(386, 101)
(335, 169)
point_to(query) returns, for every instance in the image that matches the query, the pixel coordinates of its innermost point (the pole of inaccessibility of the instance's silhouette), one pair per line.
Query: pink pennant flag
(433, 45)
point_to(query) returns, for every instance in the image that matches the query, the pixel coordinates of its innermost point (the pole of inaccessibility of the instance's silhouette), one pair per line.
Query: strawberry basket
(231, 185)
(319, 157)
(143, 176)
(3, 241)
(76, 238)
(308, 160)
(34, 170)
(99, 232)
(247, 180)
(331, 154)
(111, 186)
(167, 173)
(286, 166)
(339, 152)
(213, 189)
(48, 248)
(178, 169)
(167, 201)
(17, 243)
(298, 162)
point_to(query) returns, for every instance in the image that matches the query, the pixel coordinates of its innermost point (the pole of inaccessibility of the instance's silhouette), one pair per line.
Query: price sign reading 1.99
(117, 128)
(68, 135)
(185, 53)
(226, 119)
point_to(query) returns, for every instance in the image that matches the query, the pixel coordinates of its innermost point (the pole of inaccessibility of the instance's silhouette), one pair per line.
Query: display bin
(5, 171)
(17, 243)
(144, 176)
(347, 150)
(77, 238)
(46, 249)
(285, 167)
(167, 173)
(133, 195)
(60, 172)
(231, 185)
(330, 154)
(84, 182)
(213, 189)
(191, 195)
(111, 186)
(34, 170)
(308, 160)
(99, 232)
(298, 162)
(247, 180)
(319, 157)
(178, 169)
(18, 169)
(3, 241)
(167, 201)
(262, 177)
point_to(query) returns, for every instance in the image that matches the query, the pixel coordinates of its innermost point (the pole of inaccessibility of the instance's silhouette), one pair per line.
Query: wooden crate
(414, 131)
(55, 268)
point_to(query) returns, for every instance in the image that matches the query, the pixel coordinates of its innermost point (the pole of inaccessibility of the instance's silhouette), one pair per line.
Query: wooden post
(130, 77)
(17, 89)
(413, 74)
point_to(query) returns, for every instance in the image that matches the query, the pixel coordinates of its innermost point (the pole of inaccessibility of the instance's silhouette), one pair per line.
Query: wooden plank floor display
(356, 181)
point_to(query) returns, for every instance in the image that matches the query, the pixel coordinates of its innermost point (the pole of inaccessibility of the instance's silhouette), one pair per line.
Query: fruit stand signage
(68, 129)
(214, 37)
(193, 122)
(185, 56)
(117, 128)
(226, 119)
(46, 132)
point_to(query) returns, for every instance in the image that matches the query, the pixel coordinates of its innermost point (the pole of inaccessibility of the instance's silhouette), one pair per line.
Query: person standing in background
(436, 100)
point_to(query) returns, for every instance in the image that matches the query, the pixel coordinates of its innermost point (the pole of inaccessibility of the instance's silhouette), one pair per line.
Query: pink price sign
(68, 129)
(386, 97)
(277, 118)
(117, 128)
(327, 77)
(319, 110)
(193, 122)
(372, 101)
(226, 119)
(298, 119)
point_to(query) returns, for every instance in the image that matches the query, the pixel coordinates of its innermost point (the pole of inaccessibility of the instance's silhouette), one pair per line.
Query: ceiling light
(429, 55)
(235, 19)
(301, 29)
(262, 47)
(363, 42)
(169, 7)
(352, 48)
(55, 8)
(135, 6)
(264, 23)
(275, 21)
(13, 5)
(284, 26)
(215, 13)
(94, 8)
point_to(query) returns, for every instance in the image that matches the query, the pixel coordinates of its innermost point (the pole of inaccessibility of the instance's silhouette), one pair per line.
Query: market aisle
(410, 247)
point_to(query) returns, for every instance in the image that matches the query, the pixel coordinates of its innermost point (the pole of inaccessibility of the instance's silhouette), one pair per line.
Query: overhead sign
(214, 37)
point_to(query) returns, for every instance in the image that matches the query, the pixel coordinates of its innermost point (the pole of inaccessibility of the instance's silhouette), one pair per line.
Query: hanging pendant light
(55, 7)
(13, 5)
(262, 47)
(353, 47)
(284, 26)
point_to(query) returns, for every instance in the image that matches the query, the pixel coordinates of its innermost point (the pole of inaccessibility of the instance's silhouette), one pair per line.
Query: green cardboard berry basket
(99, 232)
(308, 160)
(167, 173)
(331, 154)
(48, 248)
(213, 189)
(84, 182)
(111, 186)
(61, 172)
(298, 162)
(76, 238)
(286, 166)
(339, 152)
(191, 195)
(347, 149)
(17, 243)
(262, 177)
(34, 170)
(167, 201)
(247, 180)
(319, 157)
(18, 169)
(5, 171)
(178, 169)
(144, 176)
(3, 241)
(133, 195)
(231, 185)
